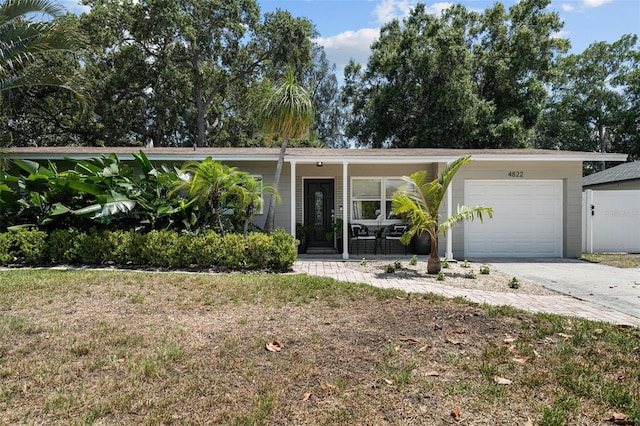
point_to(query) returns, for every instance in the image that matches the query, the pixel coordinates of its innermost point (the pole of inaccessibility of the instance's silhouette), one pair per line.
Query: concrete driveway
(615, 288)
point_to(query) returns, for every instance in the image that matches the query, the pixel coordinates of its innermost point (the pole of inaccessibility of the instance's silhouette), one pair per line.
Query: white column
(589, 219)
(449, 253)
(293, 198)
(345, 209)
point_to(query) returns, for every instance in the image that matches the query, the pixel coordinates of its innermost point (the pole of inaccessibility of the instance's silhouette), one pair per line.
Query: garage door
(527, 218)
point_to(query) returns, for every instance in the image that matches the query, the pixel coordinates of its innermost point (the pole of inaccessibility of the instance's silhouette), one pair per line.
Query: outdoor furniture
(394, 233)
(358, 233)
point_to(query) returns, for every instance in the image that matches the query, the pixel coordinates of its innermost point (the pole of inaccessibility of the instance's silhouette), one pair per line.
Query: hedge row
(208, 249)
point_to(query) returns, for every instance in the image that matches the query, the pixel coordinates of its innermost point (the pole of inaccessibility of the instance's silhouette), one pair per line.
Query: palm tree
(419, 201)
(22, 41)
(287, 112)
(247, 200)
(209, 183)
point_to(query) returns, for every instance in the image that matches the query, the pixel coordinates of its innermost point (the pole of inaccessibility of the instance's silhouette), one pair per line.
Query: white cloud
(74, 6)
(349, 45)
(595, 3)
(560, 34)
(388, 10)
(567, 7)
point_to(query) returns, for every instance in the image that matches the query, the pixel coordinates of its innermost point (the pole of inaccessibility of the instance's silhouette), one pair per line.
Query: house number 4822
(516, 174)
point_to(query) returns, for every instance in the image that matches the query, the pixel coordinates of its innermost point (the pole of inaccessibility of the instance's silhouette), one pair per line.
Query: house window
(371, 197)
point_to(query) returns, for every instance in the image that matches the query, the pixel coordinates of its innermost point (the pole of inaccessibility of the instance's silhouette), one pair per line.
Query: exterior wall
(569, 172)
(622, 186)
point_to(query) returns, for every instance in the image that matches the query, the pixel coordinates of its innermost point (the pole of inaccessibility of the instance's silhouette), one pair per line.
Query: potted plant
(419, 202)
(302, 232)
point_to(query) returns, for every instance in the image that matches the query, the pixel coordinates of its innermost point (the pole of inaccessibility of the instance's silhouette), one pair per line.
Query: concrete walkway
(557, 304)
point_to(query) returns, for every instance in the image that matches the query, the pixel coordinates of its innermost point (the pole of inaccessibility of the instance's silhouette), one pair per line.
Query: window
(367, 195)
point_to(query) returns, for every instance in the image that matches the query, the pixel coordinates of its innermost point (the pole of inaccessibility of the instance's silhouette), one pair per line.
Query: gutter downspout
(293, 199)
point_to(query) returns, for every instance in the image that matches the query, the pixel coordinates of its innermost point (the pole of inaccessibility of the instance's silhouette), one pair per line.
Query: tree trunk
(271, 213)
(434, 265)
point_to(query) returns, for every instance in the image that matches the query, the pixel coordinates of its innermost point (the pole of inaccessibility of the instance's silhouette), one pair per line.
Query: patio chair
(395, 232)
(359, 232)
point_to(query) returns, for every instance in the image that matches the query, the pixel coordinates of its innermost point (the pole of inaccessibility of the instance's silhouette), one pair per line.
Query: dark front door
(318, 210)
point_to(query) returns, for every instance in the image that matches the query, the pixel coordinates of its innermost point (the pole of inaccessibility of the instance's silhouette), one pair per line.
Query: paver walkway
(556, 304)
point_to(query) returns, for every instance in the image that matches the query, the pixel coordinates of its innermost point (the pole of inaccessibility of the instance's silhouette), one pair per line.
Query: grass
(619, 260)
(125, 347)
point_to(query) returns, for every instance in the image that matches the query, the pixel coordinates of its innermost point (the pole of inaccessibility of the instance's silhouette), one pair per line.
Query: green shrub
(32, 245)
(484, 270)
(397, 264)
(259, 250)
(445, 264)
(63, 246)
(232, 252)
(514, 283)
(205, 249)
(154, 248)
(440, 276)
(6, 242)
(92, 247)
(284, 250)
(414, 260)
(470, 274)
(389, 269)
(119, 244)
(181, 254)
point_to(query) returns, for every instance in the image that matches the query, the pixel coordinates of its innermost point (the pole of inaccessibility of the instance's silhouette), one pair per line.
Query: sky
(348, 27)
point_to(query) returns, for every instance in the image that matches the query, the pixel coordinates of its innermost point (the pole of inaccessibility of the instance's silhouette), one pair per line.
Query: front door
(318, 210)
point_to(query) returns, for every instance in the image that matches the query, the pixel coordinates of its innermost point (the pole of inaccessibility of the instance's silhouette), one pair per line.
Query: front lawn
(126, 347)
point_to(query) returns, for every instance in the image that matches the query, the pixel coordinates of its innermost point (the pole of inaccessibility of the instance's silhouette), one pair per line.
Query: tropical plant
(418, 201)
(247, 199)
(22, 40)
(285, 111)
(210, 184)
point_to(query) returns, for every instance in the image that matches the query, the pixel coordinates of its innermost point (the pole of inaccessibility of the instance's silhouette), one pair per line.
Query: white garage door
(527, 218)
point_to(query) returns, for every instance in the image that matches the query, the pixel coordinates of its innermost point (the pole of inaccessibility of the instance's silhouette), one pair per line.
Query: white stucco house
(536, 194)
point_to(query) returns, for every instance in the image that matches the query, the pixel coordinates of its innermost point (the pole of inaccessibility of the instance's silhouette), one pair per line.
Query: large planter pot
(421, 244)
(302, 247)
(339, 245)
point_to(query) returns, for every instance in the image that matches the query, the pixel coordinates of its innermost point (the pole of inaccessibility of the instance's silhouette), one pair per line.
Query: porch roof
(311, 155)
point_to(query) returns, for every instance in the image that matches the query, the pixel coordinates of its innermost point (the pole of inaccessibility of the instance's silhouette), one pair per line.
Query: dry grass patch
(155, 348)
(619, 260)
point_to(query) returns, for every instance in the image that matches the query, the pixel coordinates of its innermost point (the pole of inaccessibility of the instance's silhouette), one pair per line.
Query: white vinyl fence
(611, 221)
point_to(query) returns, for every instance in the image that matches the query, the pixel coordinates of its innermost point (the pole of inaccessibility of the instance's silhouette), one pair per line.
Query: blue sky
(347, 27)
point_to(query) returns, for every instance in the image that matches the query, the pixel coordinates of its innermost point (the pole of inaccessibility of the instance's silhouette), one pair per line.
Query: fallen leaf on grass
(501, 380)
(325, 386)
(537, 354)
(409, 340)
(389, 382)
(424, 348)
(432, 373)
(306, 396)
(528, 422)
(397, 348)
(275, 346)
(565, 336)
(509, 340)
(619, 419)
(598, 331)
(455, 413)
(520, 360)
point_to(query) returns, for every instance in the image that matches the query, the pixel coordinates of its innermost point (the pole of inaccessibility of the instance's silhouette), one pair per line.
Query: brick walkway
(557, 304)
